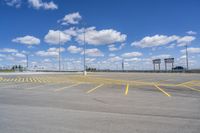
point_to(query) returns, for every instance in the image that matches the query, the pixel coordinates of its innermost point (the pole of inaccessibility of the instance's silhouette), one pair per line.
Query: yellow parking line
(91, 90)
(61, 89)
(189, 87)
(184, 83)
(126, 91)
(167, 94)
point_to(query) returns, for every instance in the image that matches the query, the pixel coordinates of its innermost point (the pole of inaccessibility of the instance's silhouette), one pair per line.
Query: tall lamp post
(84, 59)
(186, 54)
(59, 50)
(27, 61)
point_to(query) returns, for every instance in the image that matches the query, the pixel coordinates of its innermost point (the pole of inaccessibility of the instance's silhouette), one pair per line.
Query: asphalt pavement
(100, 103)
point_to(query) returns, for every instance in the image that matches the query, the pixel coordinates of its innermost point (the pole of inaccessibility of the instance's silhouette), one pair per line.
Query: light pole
(27, 61)
(84, 61)
(186, 54)
(59, 50)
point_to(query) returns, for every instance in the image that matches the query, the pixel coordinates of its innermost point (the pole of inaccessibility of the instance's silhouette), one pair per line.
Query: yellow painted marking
(184, 83)
(163, 91)
(61, 89)
(189, 87)
(126, 91)
(16, 79)
(34, 80)
(91, 90)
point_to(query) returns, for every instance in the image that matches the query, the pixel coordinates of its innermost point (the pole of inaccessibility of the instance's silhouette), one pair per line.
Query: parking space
(98, 99)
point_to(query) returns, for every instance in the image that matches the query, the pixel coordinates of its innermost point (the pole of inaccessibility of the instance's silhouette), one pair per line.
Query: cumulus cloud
(72, 18)
(133, 59)
(114, 59)
(94, 52)
(90, 60)
(74, 49)
(160, 40)
(186, 40)
(54, 36)
(101, 37)
(156, 40)
(192, 50)
(38, 4)
(20, 55)
(114, 48)
(29, 40)
(162, 56)
(13, 3)
(131, 54)
(51, 52)
(9, 50)
(191, 32)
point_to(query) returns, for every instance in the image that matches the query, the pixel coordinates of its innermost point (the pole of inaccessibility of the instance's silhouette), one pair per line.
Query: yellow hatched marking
(91, 90)
(16, 79)
(126, 90)
(163, 91)
(61, 89)
(34, 80)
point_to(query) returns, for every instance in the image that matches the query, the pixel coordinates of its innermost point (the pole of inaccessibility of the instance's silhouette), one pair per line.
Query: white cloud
(171, 45)
(72, 18)
(114, 59)
(162, 56)
(8, 50)
(90, 60)
(15, 3)
(102, 37)
(153, 41)
(47, 60)
(113, 48)
(192, 50)
(94, 52)
(51, 52)
(133, 59)
(54, 36)
(71, 31)
(131, 54)
(74, 49)
(160, 40)
(20, 55)
(186, 40)
(38, 4)
(191, 32)
(29, 40)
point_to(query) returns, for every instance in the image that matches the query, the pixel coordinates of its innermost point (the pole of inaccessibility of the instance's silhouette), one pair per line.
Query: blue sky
(134, 30)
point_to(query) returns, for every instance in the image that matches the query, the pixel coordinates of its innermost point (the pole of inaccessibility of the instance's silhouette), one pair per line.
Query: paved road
(54, 103)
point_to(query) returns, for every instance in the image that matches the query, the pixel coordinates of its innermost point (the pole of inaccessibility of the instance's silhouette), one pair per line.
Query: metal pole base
(84, 73)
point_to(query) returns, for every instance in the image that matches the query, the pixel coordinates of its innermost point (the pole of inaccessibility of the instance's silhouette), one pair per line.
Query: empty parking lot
(99, 103)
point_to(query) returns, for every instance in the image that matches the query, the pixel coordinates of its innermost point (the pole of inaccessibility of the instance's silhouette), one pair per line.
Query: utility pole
(186, 54)
(27, 61)
(84, 62)
(122, 64)
(59, 51)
